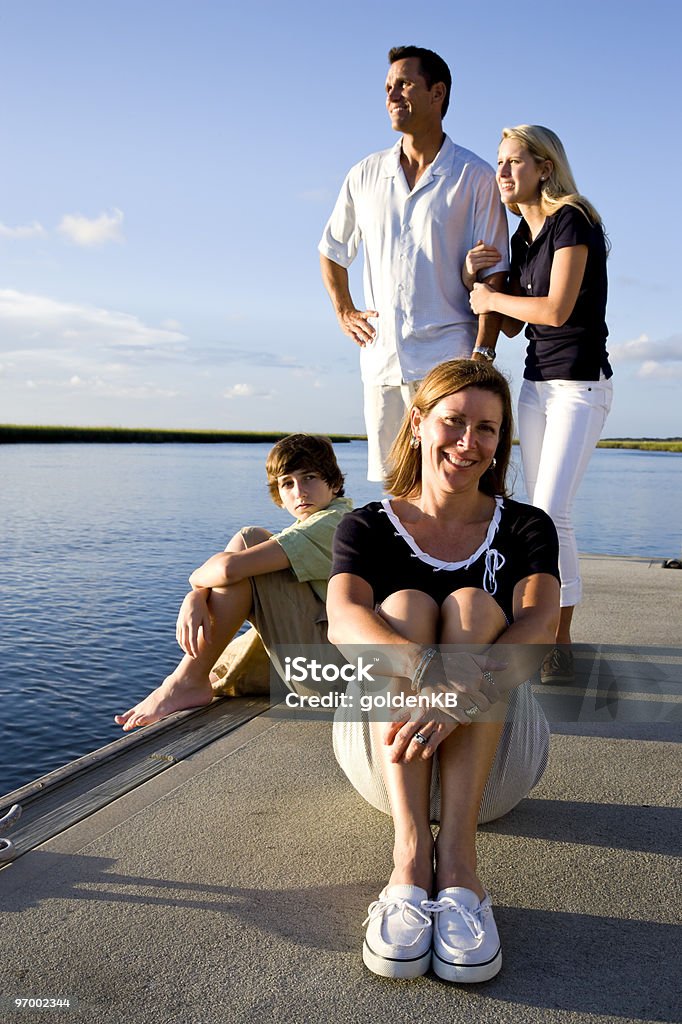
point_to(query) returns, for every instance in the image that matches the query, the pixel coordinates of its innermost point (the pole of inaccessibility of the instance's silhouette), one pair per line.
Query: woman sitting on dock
(276, 581)
(447, 559)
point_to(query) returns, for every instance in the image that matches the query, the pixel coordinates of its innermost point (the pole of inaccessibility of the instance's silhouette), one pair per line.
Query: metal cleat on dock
(6, 823)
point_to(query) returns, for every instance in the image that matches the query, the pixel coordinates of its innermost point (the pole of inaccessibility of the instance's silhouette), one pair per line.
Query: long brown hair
(405, 475)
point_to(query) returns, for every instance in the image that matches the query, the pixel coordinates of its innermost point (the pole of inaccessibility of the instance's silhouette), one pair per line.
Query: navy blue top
(577, 350)
(370, 542)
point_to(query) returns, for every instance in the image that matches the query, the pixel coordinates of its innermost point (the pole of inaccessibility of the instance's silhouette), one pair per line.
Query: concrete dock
(232, 886)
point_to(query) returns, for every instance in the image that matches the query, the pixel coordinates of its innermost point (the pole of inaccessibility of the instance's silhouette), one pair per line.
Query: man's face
(410, 103)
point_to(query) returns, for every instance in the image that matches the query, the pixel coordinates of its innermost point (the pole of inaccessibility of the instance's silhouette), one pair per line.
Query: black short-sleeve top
(372, 543)
(577, 350)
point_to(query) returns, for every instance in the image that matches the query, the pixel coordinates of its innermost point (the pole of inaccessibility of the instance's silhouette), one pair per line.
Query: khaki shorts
(285, 614)
(385, 408)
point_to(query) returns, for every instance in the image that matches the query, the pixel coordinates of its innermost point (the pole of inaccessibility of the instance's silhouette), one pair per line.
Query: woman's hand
(400, 735)
(457, 683)
(481, 257)
(481, 299)
(194, 619)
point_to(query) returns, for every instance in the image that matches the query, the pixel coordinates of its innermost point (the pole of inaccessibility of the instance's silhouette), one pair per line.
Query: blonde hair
(559, 188)
(404, 478)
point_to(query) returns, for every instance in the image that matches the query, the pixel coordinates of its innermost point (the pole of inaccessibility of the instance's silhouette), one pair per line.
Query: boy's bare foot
(176, 693)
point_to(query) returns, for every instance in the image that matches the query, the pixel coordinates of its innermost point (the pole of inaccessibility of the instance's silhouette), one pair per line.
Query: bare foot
(176, 693)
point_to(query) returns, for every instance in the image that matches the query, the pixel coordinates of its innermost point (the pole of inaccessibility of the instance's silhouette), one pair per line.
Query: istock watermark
(627, 687)
(304, 670)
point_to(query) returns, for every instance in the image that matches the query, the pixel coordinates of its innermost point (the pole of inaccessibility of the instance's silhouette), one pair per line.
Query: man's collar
(442, 163)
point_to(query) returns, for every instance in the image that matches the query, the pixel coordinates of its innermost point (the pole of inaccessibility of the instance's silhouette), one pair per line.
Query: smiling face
(459, 438)
(411, 105)
(303, 492)
(519, 175)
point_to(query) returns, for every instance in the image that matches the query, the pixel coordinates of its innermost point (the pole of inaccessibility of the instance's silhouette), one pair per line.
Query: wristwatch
(487, 353)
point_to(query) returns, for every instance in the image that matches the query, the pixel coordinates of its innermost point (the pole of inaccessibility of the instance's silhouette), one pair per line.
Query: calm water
(98, 541)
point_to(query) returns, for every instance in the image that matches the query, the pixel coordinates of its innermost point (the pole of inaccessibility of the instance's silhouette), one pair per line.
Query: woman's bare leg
(469, 617)
(563, 633)
(414, 615)
(189, 685)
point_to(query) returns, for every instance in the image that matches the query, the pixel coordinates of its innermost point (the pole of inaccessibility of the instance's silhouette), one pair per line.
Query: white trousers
(385, 407)
(560, 422)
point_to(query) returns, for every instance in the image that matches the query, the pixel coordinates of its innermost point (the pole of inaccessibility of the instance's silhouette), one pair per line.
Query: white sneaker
(466, 945)
(398, 939)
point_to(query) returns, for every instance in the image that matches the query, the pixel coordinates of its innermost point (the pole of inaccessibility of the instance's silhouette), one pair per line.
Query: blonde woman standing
(558, 287)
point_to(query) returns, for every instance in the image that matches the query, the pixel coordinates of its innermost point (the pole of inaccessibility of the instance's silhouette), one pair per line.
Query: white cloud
(58, 325)
(102, 388)
(653, 370)
(245, 391)
(643, 348)
(34, 230)
(87, 232)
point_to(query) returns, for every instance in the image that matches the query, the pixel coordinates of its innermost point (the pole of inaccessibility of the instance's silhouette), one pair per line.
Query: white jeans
(560, 422)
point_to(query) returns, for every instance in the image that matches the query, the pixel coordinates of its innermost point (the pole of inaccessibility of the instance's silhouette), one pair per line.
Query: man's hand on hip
(355, 323)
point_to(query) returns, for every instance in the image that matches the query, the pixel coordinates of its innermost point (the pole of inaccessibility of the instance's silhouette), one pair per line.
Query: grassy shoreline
(17, 434)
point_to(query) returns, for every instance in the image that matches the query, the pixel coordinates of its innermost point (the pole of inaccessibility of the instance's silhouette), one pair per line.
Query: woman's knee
(471, 615)
(413, 614)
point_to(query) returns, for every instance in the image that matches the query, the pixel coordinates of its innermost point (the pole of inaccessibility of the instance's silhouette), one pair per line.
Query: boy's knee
(252, 535)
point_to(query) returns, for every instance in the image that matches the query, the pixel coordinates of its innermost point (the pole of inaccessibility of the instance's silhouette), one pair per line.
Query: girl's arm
(229, 567)
(552, 310)
(481, 257)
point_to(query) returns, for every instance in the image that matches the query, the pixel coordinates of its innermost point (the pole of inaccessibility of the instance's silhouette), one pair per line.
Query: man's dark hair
(432, 67)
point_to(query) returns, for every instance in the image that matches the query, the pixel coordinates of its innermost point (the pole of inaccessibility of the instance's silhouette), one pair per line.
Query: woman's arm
(353, 622)
(229, 567)
(525, 642)
(552, 310)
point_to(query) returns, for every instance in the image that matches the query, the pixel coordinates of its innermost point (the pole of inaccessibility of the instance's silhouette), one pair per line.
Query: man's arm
(352, 321)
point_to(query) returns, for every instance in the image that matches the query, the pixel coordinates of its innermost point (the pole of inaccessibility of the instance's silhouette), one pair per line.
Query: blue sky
(168, 167)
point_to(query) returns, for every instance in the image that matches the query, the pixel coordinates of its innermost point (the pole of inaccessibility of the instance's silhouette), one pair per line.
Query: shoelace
(379, 907)
(559, 661)
(472, 919)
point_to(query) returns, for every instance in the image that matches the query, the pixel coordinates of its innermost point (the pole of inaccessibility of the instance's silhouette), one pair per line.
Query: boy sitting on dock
(276, 581)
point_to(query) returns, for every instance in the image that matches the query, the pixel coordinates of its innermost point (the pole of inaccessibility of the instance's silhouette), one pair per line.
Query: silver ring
(420, 739)
(472, 712)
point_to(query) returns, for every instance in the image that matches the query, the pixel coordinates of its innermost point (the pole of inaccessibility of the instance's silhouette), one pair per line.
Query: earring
(494, 462)
(414, 442)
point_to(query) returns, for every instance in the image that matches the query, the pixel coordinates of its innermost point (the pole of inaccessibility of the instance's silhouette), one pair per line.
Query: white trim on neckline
(437, 563)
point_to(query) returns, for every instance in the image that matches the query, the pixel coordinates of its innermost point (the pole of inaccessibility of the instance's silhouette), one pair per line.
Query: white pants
(385, 407)
(560, 422)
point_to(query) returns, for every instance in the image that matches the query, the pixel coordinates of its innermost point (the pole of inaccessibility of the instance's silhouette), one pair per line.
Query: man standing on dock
(419, 207)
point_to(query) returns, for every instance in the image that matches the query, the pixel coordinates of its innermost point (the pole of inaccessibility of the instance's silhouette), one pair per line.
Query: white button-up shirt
(415, 245)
